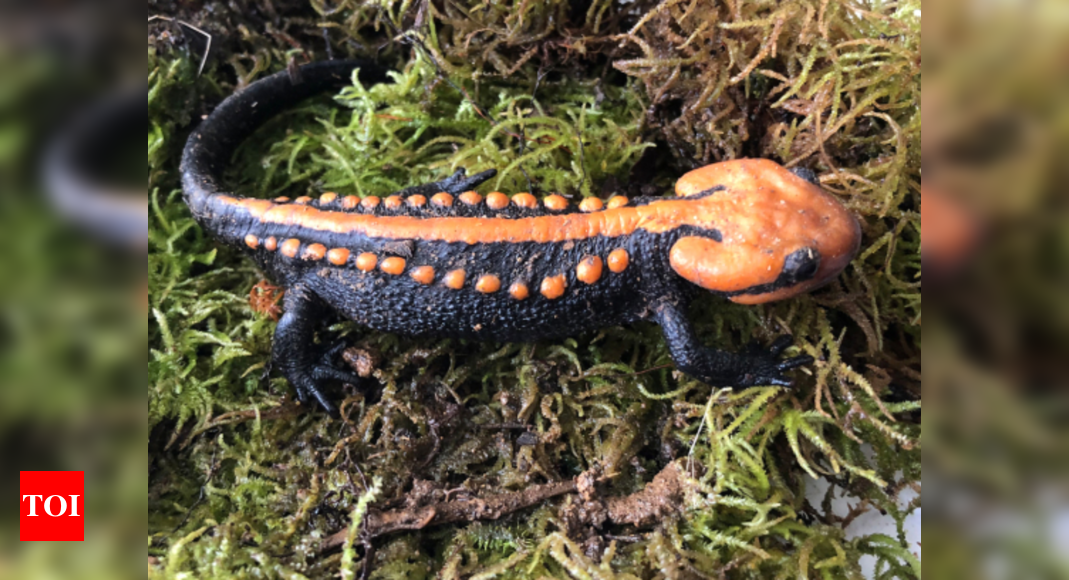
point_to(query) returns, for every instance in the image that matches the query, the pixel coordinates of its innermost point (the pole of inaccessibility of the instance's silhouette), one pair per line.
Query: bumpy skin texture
(424, 263)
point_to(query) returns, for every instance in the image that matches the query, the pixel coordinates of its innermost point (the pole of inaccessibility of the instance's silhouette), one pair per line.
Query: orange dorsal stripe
(656, 217)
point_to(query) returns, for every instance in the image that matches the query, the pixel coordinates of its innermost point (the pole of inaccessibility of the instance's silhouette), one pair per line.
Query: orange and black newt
(441, 259)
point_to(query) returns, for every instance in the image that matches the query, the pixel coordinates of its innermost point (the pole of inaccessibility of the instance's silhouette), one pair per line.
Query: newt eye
(800, 265)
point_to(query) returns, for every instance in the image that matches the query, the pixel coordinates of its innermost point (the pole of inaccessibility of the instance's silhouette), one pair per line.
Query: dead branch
(380, 523)
(660, 498)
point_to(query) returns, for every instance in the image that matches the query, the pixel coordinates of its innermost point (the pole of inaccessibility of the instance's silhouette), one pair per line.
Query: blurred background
(72, 317)
(996, 258)
(995, 233)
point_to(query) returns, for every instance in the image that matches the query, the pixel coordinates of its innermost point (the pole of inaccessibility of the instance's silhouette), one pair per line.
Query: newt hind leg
(295, 355)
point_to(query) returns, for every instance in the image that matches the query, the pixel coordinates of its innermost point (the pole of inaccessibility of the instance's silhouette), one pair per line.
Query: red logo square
(51, 505)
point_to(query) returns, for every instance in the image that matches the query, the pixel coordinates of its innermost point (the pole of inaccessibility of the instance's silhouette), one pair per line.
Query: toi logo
(50, 506)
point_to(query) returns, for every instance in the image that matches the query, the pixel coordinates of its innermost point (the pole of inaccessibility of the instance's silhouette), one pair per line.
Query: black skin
(648, 289)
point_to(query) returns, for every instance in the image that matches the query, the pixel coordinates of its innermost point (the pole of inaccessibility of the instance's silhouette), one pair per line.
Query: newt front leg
(718, 368)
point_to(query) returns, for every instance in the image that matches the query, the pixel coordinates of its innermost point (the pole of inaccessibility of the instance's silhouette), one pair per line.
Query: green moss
(417, 136)
(243, 485)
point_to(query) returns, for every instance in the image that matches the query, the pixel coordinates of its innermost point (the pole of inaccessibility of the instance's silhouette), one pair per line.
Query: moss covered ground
(581, 98)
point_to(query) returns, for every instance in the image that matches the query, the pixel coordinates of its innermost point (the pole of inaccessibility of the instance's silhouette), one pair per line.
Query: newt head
(779, 235)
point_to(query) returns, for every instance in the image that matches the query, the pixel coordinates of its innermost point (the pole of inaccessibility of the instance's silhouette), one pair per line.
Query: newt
(441, 259)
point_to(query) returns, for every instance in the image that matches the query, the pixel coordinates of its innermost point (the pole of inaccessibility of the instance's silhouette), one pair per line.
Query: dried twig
(207, 47)
(659, 498)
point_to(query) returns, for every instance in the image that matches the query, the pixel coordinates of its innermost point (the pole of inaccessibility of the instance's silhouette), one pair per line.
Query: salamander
(442, 259)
